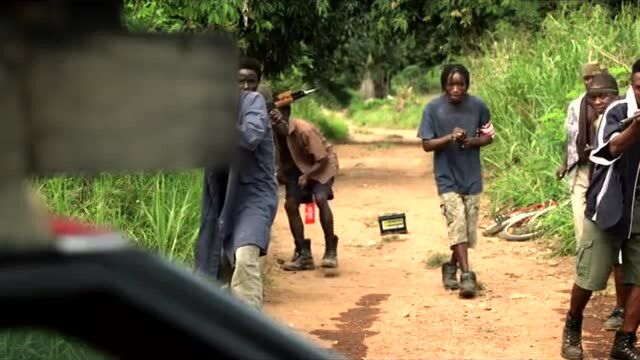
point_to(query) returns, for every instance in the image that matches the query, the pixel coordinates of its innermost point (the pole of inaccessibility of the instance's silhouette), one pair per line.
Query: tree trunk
(367, 89)
(381, 83)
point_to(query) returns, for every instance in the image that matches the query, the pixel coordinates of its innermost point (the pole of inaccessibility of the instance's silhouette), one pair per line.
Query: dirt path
(386, 304)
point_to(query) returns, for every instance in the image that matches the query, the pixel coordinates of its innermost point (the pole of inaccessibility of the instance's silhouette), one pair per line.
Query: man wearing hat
(580, 126)
(597, 250)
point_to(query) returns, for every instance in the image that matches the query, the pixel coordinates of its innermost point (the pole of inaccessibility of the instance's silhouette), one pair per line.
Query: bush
(333, 127)
(384, 113)
(421, 80)
(527, 82)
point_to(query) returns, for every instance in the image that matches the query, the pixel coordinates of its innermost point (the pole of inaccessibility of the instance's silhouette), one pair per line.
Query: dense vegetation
(526, 77)
(528, 80)
(524, 56)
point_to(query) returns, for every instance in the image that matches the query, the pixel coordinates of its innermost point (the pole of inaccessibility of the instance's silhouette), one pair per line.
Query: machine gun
(80, 95)
(287, 97)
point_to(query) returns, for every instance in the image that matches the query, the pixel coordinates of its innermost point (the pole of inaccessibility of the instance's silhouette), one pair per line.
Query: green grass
(41, 345)
(528, 80)
(436, 260)
(328, 122)
(380, 145)
(158, 212)
(383, 113)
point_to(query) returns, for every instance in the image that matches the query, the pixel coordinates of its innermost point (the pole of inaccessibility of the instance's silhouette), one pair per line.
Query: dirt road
(386, 303)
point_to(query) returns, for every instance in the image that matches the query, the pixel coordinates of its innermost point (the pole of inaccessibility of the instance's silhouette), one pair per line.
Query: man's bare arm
(438, 143)
(318, 167)
(628, 137)
(477, 141)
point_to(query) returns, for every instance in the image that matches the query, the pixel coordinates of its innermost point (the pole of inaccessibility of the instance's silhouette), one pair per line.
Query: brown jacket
(307, 146)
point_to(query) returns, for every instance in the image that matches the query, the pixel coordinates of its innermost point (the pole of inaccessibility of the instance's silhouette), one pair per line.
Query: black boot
(330, 258)
(572, 339)
(303, 260)
(468, 284)
(624, 347)
(450, 276)
(296, 252)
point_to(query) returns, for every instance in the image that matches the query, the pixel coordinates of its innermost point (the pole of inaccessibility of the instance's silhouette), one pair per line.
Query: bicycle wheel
(509, 232)
(531, 231)
(493, 229)
(500, 222)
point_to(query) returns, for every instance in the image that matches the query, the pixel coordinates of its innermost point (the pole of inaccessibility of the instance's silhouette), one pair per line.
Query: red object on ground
(59, 226)
(310, 213)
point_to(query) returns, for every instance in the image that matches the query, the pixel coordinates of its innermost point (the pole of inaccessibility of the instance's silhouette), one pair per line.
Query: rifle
(287, 97)
(626, 122)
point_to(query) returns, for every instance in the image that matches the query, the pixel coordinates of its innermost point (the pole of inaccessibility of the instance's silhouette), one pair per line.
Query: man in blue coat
(239, 205)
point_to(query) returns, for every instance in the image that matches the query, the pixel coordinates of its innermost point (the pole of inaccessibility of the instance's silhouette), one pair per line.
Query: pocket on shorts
(583, 258)
(446, 214)
(586, 242)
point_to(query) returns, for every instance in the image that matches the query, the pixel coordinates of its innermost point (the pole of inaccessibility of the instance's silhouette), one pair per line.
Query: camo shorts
(461, 214)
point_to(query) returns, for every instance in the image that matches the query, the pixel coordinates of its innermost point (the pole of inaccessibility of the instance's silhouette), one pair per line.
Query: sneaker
(615, 320)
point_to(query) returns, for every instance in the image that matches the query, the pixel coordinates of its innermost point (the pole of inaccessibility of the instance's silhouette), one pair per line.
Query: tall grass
(528, 80)
(159, 212)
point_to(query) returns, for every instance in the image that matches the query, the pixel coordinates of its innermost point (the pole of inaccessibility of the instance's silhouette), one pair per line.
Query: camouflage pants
(461, 214)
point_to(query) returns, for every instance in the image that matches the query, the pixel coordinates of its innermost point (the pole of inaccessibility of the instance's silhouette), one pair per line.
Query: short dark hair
(636, 67)
(251, 64)
(451, 69)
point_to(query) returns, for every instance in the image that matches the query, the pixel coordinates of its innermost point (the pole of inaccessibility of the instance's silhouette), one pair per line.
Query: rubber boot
(624, 347)
(303, 260)
(330, 258)
(468, 286)
(449, 276)
(572, 339)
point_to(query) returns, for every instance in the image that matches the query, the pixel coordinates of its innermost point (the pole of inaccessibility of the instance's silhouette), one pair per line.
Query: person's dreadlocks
(449, 70)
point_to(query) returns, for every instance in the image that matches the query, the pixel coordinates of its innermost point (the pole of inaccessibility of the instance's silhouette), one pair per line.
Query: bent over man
(308, 165)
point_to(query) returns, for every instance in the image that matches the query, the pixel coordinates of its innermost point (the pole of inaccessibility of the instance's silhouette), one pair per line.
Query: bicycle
(519, 224)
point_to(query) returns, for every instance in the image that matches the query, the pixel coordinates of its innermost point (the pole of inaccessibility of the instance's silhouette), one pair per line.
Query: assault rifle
(287, 97)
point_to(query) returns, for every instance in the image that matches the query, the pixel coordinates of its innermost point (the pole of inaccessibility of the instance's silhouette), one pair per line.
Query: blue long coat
(239, 204)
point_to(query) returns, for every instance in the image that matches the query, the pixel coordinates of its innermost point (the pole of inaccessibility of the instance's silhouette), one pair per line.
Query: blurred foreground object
(79, 95)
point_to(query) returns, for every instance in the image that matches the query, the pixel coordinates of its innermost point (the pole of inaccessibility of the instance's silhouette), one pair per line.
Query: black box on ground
(394, 223)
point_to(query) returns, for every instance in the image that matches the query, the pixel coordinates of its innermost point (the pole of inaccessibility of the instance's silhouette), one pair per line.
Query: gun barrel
(626, 122)
(302, 93)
